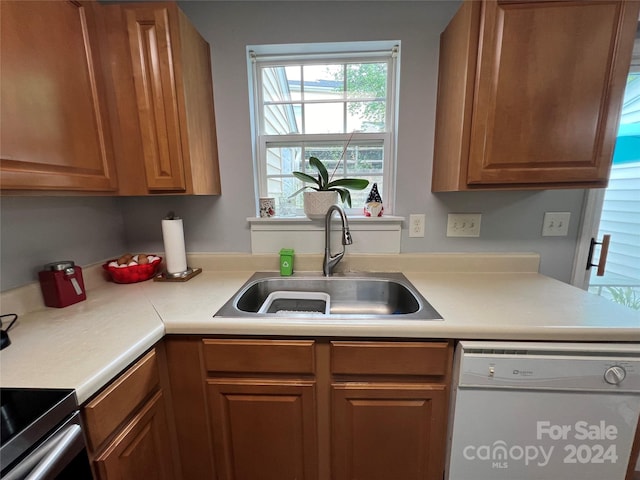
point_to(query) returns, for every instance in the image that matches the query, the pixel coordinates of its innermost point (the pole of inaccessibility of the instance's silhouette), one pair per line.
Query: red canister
(62, 284)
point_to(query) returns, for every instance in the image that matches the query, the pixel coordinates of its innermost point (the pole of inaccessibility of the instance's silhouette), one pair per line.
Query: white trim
(255, 128)
(370, 235)
(326, 48)
(589, 225)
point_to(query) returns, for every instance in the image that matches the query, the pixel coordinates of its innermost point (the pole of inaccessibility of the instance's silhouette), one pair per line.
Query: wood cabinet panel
(544, 107)
(54, 122)
(191, 412)
(388, 431)
(263, 428)
(141, 450)
(259, 356)
(166, 137)
(530, 93)
(156, 95)
(111, 408)
(399, 358)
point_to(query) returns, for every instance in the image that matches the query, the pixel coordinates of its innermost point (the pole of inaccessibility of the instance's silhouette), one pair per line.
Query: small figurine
(373, 207)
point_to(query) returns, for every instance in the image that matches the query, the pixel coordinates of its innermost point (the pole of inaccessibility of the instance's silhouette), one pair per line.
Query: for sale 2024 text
(588, 443)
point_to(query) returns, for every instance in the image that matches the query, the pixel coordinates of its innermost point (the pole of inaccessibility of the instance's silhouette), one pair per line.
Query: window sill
(370, 234)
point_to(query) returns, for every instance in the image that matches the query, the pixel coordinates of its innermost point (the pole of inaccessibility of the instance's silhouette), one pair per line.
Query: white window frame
(270, 55)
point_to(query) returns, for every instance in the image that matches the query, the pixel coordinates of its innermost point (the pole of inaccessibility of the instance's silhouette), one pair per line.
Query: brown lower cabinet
(142, 449)
(249, 408)
(127, 425)
(263, 429)
(388, 430)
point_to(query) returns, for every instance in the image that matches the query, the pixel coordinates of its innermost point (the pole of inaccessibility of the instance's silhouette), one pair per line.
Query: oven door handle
(53, 454)
(67, 440)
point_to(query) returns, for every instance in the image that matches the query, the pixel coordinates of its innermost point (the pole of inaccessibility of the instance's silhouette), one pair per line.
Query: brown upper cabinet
(530, 92)
(54, 127)
(162, 101)
(118, 87)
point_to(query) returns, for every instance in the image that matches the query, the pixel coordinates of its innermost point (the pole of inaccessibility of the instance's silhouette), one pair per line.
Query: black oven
(41, 436)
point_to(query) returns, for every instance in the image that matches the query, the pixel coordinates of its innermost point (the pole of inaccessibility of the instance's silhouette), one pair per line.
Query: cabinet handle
(602, 262)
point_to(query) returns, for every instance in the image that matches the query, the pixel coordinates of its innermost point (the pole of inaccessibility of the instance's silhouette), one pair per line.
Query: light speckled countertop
(84, 346)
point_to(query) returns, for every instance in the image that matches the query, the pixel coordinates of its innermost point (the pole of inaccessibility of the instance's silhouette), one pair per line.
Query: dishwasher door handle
(67, 439)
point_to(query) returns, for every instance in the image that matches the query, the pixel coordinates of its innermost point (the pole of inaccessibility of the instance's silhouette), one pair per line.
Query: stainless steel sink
(370, 295)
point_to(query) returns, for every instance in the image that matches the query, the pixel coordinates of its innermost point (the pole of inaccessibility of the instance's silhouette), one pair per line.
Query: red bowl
(134, 273)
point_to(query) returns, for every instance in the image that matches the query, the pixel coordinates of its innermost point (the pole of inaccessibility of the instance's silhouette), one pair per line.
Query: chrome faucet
(331, 261)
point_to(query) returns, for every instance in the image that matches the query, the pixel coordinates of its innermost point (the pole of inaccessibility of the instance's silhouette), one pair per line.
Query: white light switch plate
(556, 224)
(463, 224)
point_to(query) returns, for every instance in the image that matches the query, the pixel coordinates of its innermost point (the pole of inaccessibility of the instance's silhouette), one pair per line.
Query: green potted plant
(325, 190)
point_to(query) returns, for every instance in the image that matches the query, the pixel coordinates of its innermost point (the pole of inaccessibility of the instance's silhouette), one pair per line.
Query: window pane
(278, 187)
(283, 160)
(323, 82)
(274, 187)
(359, 161)
(367, 81)
(281, 84)
(359, 197)
(365, 160)
(282, 119)
(324, 118)
(366, 116)
(328, 154)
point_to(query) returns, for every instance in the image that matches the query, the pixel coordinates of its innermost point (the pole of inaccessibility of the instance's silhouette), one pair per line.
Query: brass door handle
(602, 262)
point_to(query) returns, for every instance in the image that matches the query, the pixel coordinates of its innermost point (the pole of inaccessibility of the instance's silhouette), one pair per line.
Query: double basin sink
(370, 296)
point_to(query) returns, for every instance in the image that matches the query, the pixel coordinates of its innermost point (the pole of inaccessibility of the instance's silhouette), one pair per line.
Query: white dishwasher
(543, 411)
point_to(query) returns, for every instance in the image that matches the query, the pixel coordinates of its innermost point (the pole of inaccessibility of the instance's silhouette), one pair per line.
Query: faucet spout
(330, 261)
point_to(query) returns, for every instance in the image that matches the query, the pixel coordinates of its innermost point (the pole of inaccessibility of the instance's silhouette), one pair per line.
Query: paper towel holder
(176, 276)
(188, 274)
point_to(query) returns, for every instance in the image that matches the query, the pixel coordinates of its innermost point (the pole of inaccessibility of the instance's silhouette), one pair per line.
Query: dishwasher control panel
(546, 367)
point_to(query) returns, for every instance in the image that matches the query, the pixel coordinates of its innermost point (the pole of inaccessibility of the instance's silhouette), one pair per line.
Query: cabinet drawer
(390, 358)
(115, 404)
(259, 356)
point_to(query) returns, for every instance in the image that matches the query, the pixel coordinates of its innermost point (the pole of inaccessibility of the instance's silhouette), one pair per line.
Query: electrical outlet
(556, 224)
(463, 224)
(416, 225)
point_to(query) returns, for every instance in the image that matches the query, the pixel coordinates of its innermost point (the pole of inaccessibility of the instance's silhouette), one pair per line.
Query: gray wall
(48, 229)
(39, 230)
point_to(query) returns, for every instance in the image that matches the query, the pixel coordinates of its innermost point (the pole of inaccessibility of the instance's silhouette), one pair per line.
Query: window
(338, 106)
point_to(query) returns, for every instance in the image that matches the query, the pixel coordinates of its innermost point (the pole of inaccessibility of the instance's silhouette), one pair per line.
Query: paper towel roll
(174, 250)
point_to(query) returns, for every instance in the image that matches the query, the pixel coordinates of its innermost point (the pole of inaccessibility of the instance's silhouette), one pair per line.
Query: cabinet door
(263, 429)
(142, 449)
(151, 38)
(388, 431)
(549, 88)
(53, 121)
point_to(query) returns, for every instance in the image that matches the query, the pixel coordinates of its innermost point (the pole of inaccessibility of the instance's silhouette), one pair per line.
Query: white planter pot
(316, 204)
